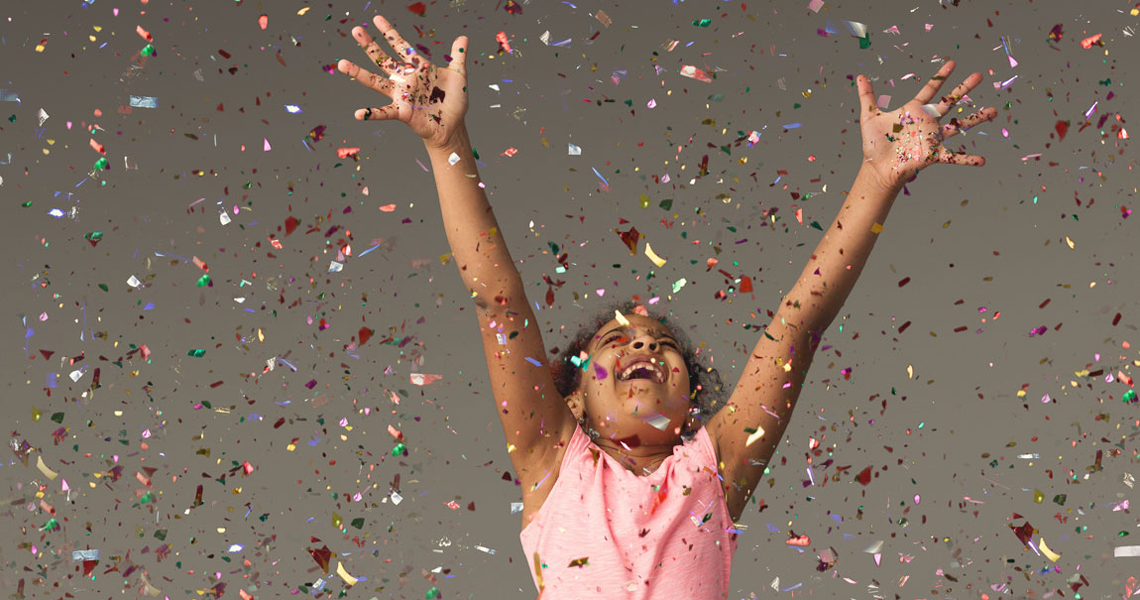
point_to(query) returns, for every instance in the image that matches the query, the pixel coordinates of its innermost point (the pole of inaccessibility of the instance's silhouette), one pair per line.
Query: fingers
(404, 50)
(458, 58)
(954, 126)
(375, 54)
(934, 83)
(952, 158)
(376, 114)
(963, 88)
(866, 94)
(366, 78)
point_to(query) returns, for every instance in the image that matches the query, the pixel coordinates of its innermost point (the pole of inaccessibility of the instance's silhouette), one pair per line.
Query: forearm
(476, 241)
(839, 258)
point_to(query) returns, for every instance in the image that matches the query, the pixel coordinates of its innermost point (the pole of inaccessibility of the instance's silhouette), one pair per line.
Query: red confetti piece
(263, 21)
(864, 476)
(365, 335)
(1062, 128)
(291, 225)
(418, 8)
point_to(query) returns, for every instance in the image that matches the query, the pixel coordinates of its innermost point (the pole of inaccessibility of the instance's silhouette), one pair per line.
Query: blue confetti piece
(533, 362)
(600, 177)
(144, 101)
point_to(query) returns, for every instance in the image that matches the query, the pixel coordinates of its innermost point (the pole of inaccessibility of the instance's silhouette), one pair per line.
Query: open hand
(431, 100)
(900, 143)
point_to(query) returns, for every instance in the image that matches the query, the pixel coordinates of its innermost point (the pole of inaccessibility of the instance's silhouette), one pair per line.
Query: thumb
(458, 58)
(866, 93)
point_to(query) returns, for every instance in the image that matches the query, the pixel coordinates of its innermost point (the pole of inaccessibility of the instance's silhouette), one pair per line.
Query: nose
(645, 340)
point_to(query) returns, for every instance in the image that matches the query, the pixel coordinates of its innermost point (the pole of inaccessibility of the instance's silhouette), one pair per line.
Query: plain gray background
(1008, 340)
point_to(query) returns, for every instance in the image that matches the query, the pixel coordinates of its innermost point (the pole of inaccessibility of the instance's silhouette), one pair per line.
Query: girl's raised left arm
(896, 146)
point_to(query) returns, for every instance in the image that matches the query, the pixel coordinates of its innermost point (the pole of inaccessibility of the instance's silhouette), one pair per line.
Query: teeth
(656, 369)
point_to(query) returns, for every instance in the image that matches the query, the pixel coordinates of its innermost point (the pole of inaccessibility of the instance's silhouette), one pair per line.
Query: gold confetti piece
(1069, 242)
(876, 228)
(621, 318)
(303, 10)
(538, 571)
(349, 579)
(910, 371)
(657, 260)
(755, 436)
(44, 468)
(1049, 553)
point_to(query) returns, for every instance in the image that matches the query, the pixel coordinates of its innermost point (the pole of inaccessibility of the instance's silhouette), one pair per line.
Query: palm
(900, 143)
(431, 100)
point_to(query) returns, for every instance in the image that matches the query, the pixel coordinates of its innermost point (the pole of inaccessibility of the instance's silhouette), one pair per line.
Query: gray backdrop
(979, 368)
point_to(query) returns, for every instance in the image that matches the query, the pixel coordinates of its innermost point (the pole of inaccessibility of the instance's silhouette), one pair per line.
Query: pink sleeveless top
(604, 532)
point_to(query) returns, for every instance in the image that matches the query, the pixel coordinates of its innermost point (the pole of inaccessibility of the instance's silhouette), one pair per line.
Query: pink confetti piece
(694, 73)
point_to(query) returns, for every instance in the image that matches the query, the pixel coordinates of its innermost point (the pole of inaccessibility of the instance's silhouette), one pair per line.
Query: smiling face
(651, 400)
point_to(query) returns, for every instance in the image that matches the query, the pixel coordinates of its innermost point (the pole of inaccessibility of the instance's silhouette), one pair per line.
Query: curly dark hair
(706, 388)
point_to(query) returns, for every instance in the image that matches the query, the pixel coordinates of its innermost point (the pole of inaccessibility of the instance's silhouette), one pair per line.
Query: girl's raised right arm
(433, 103)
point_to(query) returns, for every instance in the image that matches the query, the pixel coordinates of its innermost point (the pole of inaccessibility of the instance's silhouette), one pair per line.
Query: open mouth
(643, 370)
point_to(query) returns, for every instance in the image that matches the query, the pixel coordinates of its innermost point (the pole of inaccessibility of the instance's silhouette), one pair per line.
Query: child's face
(621, 408)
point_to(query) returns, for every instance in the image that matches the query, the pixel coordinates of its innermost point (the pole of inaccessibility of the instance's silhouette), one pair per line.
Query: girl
(616, 504)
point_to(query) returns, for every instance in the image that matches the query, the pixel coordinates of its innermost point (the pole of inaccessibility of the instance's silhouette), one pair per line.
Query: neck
(634, 455)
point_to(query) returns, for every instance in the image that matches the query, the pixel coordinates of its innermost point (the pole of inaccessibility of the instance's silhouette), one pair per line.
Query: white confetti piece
(1126, 551)
(574, 150)
(454, 158)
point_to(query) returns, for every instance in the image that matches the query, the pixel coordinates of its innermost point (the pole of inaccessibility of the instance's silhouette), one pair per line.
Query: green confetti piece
(102, 163)
(666, 204)
(702, 23)
(197, 353)
(432, 593)
(94, 236)
(358, 522)
(104, 287)
(51, 525)
(1129, 396)
(57, 417)
(204, 280)
(149, 496)
(148, 50)
(865, 43)
(26, 204)
(399, 449)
